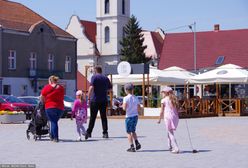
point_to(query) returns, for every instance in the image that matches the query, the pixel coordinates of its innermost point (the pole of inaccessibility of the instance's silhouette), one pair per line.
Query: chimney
(216, 27)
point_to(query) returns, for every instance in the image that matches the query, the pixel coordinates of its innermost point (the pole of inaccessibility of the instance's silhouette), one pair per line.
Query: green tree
(132, 43)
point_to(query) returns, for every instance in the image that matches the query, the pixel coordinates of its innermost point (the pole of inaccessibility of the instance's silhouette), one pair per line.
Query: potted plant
(12, 116)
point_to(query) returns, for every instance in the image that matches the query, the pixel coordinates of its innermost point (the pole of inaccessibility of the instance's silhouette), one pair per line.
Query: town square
(121, 83)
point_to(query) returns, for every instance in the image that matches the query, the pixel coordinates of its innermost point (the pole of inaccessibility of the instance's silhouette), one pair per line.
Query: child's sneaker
(131, 149)
(175, 151)
(79, 138)
(138, 146)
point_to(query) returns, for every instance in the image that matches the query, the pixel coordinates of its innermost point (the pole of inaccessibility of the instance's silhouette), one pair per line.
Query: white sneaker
(174, 151)
(79, 138)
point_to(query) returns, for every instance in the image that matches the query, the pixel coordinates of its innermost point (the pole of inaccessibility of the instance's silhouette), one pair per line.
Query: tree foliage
(132, 43)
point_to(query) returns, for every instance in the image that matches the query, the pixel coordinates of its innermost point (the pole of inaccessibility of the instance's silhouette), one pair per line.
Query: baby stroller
(39, 124)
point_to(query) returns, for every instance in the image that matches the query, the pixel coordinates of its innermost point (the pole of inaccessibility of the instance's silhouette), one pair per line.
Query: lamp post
(194, 31)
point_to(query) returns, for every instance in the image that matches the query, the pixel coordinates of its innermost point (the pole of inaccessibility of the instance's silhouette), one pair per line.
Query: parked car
(68, 103)
(12, 103)
(33, 100)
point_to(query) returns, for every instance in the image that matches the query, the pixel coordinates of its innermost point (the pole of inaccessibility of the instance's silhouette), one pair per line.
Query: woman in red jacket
(53, 96)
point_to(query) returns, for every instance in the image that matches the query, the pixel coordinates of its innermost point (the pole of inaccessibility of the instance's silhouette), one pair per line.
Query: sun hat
(129, 86)
(79, 93)
(166, 89)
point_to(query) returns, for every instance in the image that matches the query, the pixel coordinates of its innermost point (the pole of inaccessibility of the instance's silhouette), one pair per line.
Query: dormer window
(219, 60)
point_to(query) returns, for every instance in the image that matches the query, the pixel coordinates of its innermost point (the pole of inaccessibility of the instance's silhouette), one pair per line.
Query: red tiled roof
(18, 17)
(89, 30)
(178, 49)
(81, 82)
(158, 42)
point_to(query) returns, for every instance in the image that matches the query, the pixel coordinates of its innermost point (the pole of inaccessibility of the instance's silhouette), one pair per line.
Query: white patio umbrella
(228, 73)
(169, 76)
(179, 75)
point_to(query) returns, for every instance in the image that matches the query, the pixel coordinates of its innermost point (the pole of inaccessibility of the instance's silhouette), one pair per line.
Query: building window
(123, 32)
(33, 60)
(107, 34)
(24, 90)
(1, 86)
(50, 62)
(7, 89)
(12, 59)
(68, 64)
(106, 6)
(123, 7)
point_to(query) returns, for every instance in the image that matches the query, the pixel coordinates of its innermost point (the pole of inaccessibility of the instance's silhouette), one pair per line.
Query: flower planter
(5, 119)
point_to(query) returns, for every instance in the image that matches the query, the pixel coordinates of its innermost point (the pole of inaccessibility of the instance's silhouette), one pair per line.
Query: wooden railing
(209, 107)
(244, 106)
(197, 107)
(201, 107)
(228, 107)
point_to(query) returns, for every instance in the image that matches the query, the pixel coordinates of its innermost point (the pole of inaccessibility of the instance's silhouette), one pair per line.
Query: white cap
(166, 89)
(79, 93)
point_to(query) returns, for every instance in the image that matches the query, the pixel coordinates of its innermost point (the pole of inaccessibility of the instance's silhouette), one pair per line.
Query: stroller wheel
(35, 137)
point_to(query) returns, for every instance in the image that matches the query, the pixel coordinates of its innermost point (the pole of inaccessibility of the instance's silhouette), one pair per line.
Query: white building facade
(111, 18)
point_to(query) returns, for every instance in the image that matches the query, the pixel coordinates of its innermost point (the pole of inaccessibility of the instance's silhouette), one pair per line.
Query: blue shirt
(101, 86)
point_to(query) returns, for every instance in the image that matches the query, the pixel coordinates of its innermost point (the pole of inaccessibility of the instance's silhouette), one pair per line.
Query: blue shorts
(131, 123)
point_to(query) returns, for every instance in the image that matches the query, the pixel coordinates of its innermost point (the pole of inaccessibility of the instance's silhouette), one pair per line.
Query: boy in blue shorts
(131, 106)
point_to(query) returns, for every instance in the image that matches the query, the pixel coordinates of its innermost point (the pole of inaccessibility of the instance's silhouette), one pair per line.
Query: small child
(169, 106)
(131, 106)
(79, 111)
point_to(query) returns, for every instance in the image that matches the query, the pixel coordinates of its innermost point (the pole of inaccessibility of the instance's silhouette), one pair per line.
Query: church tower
(111, 17)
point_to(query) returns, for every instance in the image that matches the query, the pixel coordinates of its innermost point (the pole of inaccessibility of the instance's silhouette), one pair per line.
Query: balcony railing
(35, 73)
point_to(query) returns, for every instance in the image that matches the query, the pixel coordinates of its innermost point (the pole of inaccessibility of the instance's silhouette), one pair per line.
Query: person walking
(169, 112)
(132, 107)
(53, 96)
(97, 96)
(79, 111)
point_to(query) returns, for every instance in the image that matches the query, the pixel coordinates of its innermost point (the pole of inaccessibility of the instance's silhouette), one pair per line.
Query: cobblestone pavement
(221, 142)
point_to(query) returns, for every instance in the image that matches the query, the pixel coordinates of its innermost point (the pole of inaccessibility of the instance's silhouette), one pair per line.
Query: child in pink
(169, 112)
(79, 111)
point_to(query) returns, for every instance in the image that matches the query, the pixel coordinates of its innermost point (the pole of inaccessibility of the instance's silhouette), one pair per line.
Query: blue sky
(167, 14)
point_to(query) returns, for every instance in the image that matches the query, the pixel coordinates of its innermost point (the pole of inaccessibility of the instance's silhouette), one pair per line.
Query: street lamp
(194, 31)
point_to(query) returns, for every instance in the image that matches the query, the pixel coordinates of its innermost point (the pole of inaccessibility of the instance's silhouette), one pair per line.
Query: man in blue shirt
(98, 91)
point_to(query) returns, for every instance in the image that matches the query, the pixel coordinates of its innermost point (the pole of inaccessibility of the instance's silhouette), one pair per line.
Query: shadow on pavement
(72, 140)
(120, 137)
(155, 150)
(198, 151)
(124, 137)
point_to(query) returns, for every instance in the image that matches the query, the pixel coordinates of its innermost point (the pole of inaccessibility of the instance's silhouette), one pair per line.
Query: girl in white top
(131, 106)
(169, 112)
